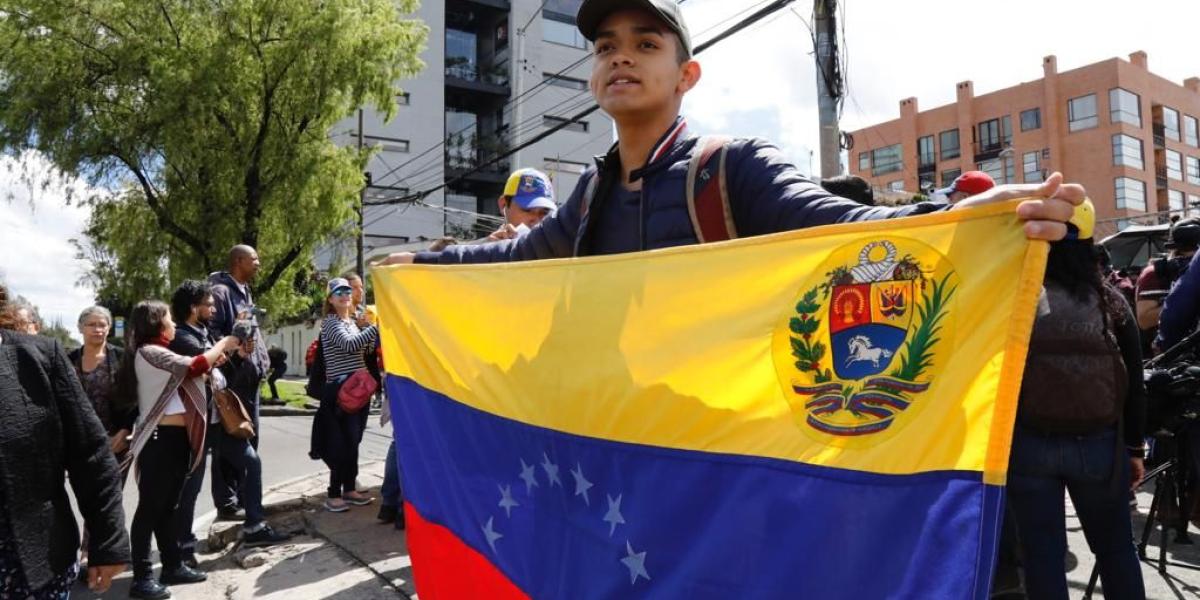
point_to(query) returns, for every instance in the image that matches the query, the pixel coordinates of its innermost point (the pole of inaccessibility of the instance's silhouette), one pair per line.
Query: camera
(246, 328)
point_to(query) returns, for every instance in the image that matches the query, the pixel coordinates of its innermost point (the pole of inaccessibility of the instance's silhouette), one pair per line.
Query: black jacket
(50, 429)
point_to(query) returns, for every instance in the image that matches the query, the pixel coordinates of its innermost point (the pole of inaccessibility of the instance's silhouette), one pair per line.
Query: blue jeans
(1040, 468)
(241, 456)
(391, 492)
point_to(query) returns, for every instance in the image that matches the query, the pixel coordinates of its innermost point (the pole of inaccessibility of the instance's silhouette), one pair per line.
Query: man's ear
(689, 76)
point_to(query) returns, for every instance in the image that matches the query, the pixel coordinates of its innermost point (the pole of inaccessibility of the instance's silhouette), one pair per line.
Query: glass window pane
(1032, 167)
(1191, 134)
(1081, 113)
(1131, 194)
(949, 141)
(1031, 119)
(887, 160)
(1174, 165)
(949, 175)
(925, 152)
(864, 161)
(561, 31)
(1175, 203)
(1171, 123)
(1193, 170)
(1127, 151)
(1125, 107)
(461, 55)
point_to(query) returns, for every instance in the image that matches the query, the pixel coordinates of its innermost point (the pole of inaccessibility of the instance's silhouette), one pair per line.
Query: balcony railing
(481, 72)
(991, 148)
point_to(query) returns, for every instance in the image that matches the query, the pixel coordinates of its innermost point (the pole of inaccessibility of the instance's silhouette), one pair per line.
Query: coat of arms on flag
(863, 341)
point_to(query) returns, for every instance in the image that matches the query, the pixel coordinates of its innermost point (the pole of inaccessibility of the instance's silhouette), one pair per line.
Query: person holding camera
(168, 440)
(232, 303)
(339, 423)
(1080, 423)
(1157, 277)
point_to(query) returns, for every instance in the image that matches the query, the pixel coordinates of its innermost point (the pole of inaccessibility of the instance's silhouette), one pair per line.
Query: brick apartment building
(1130, 136)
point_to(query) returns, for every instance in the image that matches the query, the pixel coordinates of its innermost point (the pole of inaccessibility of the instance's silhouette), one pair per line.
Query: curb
(284, 411)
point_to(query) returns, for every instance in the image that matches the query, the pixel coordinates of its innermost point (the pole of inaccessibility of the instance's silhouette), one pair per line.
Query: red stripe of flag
(445, 568)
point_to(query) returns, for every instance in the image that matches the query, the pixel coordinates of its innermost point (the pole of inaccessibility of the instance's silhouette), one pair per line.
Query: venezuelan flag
(817, 414)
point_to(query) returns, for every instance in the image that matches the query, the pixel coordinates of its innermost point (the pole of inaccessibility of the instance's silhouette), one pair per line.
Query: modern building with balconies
(1130, 136)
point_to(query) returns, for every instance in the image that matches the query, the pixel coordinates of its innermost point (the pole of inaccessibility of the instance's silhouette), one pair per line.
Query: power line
(747, 22)
(428, 170)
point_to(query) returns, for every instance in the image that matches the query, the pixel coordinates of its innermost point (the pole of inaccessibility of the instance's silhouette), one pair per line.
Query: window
(895, 186)
(1192, 202)
(1175, 203)
(1170, 123)
(1081, 113)
(1000, 169)
(925, 153)
(949, 175)
(566, 166)
(1174, 165)
(988, 135)
(560, 29)
(1032, 167)
(1131, 194)
(949, 140)
(1031, 119)
(461, 55)
(1193, 169)
(565, 82)
(1191, 133)
(552, 121)
(1127, 151)
(388, 144)
(1125, 106)
(864, 161)
(887, 160)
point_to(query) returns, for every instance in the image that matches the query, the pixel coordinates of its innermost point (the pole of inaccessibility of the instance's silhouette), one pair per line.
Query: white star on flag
(636, 561)
(506, 499)
(614, 514)
(582, 485)
(492, 535)
(551, 470)
(528, 476)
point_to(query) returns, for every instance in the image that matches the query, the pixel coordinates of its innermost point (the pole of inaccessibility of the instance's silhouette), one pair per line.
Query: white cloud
(37, 259)
(762, 81)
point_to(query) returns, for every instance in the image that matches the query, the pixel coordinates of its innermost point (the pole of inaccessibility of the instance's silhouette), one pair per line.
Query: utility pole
(825, 29)
(360, 265)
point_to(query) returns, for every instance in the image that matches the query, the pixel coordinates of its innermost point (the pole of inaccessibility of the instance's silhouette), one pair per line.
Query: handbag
(234, 419)
(356, 391)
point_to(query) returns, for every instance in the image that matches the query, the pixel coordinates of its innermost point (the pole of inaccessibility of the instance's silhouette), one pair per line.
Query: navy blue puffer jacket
(766, 192)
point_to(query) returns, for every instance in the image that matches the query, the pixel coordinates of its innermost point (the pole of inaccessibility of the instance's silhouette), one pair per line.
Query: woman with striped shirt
(336, 434)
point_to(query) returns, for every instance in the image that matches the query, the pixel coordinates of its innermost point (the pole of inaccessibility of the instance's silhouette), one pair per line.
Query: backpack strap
(707, 193)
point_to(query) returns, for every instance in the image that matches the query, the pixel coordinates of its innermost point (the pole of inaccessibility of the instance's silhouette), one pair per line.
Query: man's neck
(635, 140)
(239, 280)
(195, 324)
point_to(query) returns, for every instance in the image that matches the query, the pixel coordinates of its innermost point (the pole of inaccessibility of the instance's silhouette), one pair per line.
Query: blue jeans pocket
(1096, 454)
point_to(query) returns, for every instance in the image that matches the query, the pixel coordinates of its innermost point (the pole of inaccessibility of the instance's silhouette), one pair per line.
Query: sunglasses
(343, 292)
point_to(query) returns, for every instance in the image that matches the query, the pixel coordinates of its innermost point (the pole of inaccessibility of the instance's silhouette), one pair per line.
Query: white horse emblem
(861, 350)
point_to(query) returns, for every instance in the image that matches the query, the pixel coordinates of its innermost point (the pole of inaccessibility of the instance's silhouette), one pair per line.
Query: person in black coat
(50, 429)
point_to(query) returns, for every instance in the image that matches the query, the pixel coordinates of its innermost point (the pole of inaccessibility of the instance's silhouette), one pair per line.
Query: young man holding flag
(635, 197)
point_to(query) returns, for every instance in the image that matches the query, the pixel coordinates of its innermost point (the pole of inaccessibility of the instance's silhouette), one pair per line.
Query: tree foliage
(210, 118)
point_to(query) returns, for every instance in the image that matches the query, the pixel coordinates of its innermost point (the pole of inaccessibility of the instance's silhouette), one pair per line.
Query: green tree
(210, 118)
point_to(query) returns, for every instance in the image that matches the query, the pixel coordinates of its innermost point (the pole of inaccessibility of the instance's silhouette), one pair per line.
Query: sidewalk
(343, 556)
(351, 556)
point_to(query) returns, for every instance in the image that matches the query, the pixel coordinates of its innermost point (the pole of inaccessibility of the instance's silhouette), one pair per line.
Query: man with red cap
(965, 185)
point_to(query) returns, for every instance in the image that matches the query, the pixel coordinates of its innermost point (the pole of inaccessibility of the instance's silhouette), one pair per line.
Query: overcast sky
(761, 82)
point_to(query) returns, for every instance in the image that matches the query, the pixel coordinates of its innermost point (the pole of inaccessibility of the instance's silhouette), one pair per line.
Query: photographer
(1080, 423)
(233, 302)
(1156, 279)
